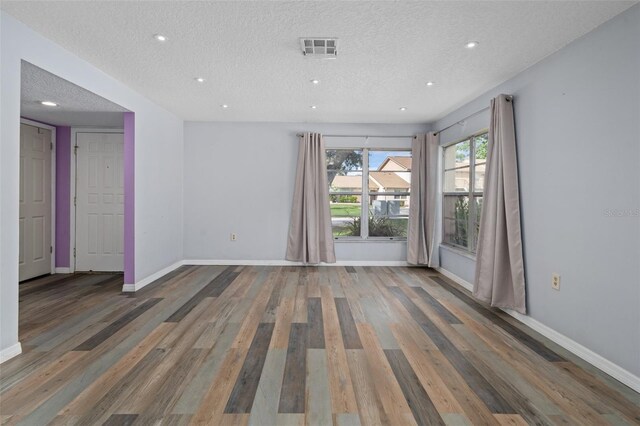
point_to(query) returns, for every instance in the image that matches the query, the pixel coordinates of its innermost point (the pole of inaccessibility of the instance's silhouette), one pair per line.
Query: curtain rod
(509, 98)
(359, 136)
(461, 120)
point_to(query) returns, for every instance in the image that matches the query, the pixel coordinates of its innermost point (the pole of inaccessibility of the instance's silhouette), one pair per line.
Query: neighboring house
(393, 175)
(395, 163)
(400, 165)
(347, 183)
(388, 182)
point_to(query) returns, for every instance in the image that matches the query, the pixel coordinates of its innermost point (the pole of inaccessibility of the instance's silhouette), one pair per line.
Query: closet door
(99, 202)
(35, 202)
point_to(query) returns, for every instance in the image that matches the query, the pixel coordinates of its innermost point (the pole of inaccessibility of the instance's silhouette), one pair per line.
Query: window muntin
(463, 180)
(386, 195)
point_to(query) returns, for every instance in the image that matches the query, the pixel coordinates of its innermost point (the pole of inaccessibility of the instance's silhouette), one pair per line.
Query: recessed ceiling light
(199, 79)
(430, 83)
(224, 106)
(49, 103)
(160, 37)
(313, 107)
(314, 81)
(402, 108)
(471, 44)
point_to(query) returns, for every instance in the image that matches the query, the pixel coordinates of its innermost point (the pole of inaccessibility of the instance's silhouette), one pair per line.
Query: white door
(99, 202)
(35, 202)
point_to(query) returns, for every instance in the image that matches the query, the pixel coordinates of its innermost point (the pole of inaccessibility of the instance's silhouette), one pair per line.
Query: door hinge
(75, 201)
(51, 146)
(50, 249)
(75, 150)
(74, 252)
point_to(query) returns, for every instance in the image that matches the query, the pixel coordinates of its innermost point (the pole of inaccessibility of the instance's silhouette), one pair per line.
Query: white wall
(158, 162)
(578, 134)
(239, 178)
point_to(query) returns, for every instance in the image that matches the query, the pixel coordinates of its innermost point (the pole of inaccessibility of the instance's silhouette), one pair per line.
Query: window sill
(459, 252)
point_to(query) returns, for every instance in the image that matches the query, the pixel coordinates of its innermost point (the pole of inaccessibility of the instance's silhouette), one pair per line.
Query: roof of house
(404, 163)
(350, 182)
(389, 180)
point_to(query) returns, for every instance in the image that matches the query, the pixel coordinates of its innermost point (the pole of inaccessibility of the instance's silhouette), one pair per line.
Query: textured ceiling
(76, 106)
(250, 56)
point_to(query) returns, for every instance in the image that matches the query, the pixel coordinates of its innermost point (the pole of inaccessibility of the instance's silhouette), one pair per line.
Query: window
(462, 187)
(385, 197)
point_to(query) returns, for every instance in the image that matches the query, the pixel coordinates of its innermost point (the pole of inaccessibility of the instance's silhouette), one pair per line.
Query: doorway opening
(72, 196)
(86, 177)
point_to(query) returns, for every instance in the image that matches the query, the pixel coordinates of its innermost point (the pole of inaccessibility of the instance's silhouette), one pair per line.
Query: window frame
(472, 193)
(365, 195)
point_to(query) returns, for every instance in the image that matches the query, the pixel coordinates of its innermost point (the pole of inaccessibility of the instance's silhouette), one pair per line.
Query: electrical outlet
(555, 281)
(233, 237)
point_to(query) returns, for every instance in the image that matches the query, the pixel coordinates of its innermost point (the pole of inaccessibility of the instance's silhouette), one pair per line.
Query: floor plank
(343, 399)
(318, 407)
(292, 395)
(265, 404)
(347, 324)
(315, 323)
(421, 406)
(244, 391)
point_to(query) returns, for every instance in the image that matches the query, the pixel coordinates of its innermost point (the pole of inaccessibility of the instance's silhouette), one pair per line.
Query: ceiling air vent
(322, 47)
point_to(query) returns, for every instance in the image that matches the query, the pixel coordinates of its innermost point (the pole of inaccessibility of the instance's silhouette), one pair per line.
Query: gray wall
(578, 134)
(239, 178)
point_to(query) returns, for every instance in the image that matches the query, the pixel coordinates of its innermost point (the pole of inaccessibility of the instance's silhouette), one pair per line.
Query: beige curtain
(310, 236)
(422, 235)
(499, 276)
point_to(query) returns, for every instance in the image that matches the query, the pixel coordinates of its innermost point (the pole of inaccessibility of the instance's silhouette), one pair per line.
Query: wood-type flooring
(271, 345)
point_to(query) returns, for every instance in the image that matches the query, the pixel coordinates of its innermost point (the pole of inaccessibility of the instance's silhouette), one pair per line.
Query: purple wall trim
(129, 197)
(63, 196)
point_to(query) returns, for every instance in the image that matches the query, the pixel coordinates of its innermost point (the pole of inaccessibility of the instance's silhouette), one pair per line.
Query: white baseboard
(453, 277)
(63, 270)
(614, 370)
(598, 361)
(239, 262)
(129, 288)
(10, 352)
(289, 263)
(370, 263)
